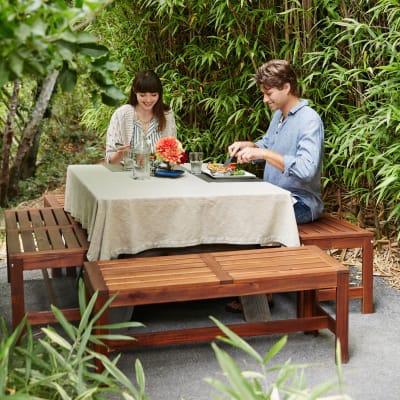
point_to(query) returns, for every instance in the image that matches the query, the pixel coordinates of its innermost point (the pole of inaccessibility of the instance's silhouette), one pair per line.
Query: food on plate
(238, 172)
(221, 169)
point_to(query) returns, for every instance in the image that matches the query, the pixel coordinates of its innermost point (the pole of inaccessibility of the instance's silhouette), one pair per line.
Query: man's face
(276, 98)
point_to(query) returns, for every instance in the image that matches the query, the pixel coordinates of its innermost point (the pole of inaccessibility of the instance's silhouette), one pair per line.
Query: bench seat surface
(212, 275)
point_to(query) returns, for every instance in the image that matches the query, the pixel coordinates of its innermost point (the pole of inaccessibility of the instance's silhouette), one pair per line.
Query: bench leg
(367, 306)
(342, 315)
(17, 293)
(307, 306)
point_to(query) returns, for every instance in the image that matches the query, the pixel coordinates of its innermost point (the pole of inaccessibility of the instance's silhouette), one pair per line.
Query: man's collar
(297, 107)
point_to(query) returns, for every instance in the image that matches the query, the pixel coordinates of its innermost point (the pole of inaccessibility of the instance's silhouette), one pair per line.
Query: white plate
(220, 175)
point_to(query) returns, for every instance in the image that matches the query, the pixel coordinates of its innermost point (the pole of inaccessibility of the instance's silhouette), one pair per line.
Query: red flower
(169, 149)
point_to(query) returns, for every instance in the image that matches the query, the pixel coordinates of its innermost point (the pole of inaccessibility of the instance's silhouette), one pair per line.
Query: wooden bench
(154, 280)
(330, 232)
(54, 200)
(38, 239)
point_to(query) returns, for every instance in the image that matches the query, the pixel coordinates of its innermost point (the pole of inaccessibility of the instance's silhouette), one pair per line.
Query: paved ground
(178, 372)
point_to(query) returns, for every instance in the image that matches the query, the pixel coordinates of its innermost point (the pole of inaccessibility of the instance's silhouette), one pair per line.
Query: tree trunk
(31, 130)
(7, 140)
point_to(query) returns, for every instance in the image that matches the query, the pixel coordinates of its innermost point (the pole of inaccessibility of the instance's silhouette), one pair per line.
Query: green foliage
(255, 384)
(346, 55)
(40, 37)
(60, 365)
(206, 52)
(357, 81)
(63, 142)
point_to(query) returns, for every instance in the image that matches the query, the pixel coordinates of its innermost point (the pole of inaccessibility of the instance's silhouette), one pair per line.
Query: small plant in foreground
(53, 365)
(254, 385)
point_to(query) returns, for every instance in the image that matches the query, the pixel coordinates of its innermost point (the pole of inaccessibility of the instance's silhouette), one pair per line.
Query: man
(293, 144)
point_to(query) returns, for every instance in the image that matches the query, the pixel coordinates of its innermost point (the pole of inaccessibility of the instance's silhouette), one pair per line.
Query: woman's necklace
(145, 122)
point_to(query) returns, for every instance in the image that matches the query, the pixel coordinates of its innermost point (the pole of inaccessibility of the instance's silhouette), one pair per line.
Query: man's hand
(235, 147)
(249, 154)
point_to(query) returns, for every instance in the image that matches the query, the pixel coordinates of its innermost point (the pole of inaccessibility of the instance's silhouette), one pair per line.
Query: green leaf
(56, 338)
(4, 74)
(275, 349)
(93, 49)
(69, 329)
(236, 340)
(67, 79)
(241, 387)
(16, 64)
(86, 37)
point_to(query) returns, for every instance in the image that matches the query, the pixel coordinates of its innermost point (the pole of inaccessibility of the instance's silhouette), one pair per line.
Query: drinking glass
(196, 161)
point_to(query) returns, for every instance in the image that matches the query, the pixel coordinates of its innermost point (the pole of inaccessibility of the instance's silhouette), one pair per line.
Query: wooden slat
(36, 218)
(24, 221)
(69, 237)
(28, 242)
(56, 240)
(48, 217)
(61, 216)
(42, 240)
(54, 200)
(10, 218)
(222, 275)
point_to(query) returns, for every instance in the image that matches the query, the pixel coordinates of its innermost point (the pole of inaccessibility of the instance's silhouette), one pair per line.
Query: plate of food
(216, 171)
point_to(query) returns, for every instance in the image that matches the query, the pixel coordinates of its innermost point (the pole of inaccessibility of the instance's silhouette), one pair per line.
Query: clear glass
(196, 162)
(141, 161)
(128, 160)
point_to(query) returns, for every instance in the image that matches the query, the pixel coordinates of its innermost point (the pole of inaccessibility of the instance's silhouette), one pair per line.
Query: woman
(144, 117)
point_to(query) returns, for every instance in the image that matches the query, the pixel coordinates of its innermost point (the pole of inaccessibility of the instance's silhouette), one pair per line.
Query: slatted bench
(163, 279)
(54, 200)
(330, 232)
(38, 239)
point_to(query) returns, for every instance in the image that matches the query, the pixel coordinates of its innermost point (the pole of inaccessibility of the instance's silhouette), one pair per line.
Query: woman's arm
(119, 133)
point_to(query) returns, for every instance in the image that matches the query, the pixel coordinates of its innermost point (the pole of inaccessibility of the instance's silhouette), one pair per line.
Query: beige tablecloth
(127, 216)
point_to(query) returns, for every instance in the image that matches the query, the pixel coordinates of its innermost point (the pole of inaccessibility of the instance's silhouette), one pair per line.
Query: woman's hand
(117, 156)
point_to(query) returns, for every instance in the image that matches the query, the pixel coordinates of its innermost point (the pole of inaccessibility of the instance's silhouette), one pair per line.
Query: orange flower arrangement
(169, 149)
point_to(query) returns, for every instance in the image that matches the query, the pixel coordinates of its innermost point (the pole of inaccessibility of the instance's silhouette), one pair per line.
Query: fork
(228, 161)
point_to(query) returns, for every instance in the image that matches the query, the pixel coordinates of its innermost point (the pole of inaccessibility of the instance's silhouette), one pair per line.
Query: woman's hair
(275, 73)
(149, 82)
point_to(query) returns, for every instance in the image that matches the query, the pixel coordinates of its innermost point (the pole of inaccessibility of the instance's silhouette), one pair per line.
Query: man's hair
(275, 73)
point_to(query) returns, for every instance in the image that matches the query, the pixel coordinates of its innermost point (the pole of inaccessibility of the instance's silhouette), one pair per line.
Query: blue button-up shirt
(299, 138)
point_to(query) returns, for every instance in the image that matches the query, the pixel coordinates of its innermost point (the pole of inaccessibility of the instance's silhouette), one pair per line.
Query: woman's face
(147, 100)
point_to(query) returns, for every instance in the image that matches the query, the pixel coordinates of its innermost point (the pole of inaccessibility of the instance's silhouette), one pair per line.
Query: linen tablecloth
(127, 216)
